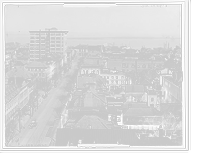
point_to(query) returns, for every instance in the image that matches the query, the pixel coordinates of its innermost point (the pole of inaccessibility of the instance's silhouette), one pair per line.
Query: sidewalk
(44, 115)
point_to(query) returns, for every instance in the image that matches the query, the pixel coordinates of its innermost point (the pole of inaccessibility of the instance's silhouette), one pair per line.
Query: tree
(133, 76)
(169, 122)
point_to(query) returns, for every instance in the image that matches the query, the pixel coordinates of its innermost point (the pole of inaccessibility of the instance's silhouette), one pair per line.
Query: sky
(110, 21)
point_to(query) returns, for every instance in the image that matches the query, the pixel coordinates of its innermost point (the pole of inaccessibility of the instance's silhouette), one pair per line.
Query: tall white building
(47, 42)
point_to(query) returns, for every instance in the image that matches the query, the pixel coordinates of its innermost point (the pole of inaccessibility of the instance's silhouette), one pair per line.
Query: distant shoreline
(122, 38)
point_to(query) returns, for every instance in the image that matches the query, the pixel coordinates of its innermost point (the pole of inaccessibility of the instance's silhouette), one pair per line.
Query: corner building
(46, 43)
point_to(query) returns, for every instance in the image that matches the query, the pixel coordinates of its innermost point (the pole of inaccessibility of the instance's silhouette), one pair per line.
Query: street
(46, 115)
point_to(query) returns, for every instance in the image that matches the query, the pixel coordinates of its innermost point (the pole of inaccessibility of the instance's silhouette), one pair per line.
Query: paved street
(45, 113)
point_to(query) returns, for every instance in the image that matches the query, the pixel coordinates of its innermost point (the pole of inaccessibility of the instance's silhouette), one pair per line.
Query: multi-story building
(173, 86)
(81, 50)
(133, 64)
(166, 72)
(115, 79)
(45, 43)
(42, 70)
(16, 98)
(11, 103)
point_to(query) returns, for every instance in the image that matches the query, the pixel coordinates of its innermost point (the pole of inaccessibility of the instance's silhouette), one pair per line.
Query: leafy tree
(169, 122)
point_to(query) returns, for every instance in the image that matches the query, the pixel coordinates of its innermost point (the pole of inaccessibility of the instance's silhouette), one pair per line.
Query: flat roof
(90, 136)
(141, 112)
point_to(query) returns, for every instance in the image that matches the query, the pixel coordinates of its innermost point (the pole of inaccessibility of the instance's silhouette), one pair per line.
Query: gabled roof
(89, 136)
(92, 122)
(18, 72)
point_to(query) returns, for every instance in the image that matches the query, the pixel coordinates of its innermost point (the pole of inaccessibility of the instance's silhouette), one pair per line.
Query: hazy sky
(115, 21)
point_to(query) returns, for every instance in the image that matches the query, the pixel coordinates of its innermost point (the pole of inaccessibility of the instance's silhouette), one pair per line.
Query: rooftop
(138, 105)
(114, 100)
(80, 47)
(141, 112)
(65, 136)
(135, 88)
(36, 64)
(91, 65)
(145, 81)
(10, 92)
(92, 122)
